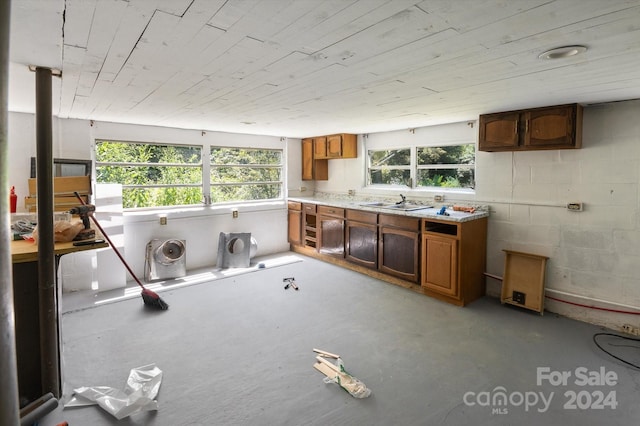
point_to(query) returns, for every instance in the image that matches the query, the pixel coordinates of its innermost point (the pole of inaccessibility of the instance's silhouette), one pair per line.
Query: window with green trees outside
(163, 175)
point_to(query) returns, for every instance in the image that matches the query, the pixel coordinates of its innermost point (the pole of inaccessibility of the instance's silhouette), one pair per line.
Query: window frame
(414, 168)
(205, 166)
(212, 166)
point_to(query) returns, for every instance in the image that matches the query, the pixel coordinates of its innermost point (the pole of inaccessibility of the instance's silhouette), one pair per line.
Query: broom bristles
(151, 298)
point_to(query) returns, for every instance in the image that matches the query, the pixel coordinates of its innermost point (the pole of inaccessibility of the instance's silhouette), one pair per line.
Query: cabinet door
(320, 147)
(498, 131)
(295, 227)
(550, 127)
(334, 146)
(361, 243)
(307, 159)
(398, 253)
(330, 236)
(440, 264)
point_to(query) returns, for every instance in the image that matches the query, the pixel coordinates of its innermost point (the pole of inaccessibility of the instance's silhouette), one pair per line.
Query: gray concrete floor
(238, 351)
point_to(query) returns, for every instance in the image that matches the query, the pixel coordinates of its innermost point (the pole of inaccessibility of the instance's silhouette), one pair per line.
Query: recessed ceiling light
(562, 52)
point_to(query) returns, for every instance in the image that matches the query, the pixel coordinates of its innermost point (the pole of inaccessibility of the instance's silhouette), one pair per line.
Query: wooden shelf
(523, 280)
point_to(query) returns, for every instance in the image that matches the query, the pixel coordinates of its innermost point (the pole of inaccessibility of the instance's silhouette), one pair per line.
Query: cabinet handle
(515, 129)
(526, 126)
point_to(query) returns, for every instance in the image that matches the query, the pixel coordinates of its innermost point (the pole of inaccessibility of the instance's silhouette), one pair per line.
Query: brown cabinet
(317, 151)
(295, 223)
(557, 127)
(312, 168)
(398, 246)
(361, 238)
(330, 226)
(453, 259)
(336, 146)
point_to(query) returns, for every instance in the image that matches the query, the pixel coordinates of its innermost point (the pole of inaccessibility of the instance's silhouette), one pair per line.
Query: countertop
(27, 251)
(427, 213)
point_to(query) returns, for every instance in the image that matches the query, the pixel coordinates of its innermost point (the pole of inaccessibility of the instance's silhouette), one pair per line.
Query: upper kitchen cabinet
(336, 146)
(556, 127)
(312, 169)
(317, 151)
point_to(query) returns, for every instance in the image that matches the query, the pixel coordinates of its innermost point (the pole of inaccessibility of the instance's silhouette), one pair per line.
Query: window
(154, 175)
(243, 174)
(390, 167)
(151, 175)
(446, 166)
(434, 166)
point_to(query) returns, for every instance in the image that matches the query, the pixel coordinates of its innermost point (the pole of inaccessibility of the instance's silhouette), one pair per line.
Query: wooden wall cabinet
(342, 145)
(361, 238)
(312, 168)
(453, 259)
(317, 151)
(294, 213)
(398, 246)
(330, 226)
(556, 127)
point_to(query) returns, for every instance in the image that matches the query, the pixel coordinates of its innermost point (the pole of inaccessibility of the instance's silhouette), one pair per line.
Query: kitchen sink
(405, 207)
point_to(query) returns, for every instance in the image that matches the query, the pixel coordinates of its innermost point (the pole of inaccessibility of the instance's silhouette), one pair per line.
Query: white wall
(593, 255)
(199, 226)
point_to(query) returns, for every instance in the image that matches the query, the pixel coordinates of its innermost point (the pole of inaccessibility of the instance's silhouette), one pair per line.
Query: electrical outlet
(629, 329)
(234, 213)
(163, 220)
(438, 198)
(518, 297)
(303, 188)
(574, 207)
(352, 192)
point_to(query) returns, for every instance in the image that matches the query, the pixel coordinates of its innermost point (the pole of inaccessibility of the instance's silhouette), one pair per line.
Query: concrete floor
(238, 351)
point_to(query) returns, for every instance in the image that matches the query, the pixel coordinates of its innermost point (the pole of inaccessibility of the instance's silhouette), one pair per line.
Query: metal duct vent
(170, 251)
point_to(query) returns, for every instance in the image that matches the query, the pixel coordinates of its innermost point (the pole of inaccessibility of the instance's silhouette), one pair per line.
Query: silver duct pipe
(9, 405)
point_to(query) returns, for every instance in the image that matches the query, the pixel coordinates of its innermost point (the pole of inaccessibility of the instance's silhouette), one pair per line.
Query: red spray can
(13, 199)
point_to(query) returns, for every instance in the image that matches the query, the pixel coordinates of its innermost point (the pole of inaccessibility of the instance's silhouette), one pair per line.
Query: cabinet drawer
(361, 216)
(331, 211)
(403, 222)
(309, 208)
(294, 205)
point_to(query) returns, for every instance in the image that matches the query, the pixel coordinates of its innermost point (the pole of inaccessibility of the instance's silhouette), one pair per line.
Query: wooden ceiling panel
(300, 67)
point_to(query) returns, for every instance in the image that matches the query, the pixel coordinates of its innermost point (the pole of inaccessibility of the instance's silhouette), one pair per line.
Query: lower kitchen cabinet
(330, 225)
(440, 264)
(361, 238)
(294, 213)
(399, 246)
(453, 259)
(309, 229)
(439, 257)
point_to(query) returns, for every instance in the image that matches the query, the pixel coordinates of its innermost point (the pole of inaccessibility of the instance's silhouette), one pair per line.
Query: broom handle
(110, 243)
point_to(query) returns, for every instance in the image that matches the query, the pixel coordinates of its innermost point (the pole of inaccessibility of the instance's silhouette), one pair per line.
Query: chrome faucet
(404, 199)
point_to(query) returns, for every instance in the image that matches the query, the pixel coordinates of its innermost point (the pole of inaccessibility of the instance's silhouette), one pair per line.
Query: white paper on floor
(138, 396)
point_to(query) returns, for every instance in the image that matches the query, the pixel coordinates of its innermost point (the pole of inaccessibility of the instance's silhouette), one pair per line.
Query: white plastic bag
(139, 395)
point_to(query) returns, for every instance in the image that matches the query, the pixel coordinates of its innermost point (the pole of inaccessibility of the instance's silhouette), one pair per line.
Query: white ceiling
(308, 67)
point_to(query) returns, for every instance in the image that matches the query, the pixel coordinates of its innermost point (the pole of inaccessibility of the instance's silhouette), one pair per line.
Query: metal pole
(9, 405)
(48, 310)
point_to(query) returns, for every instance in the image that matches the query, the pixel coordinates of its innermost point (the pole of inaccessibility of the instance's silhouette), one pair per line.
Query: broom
(150, 298)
